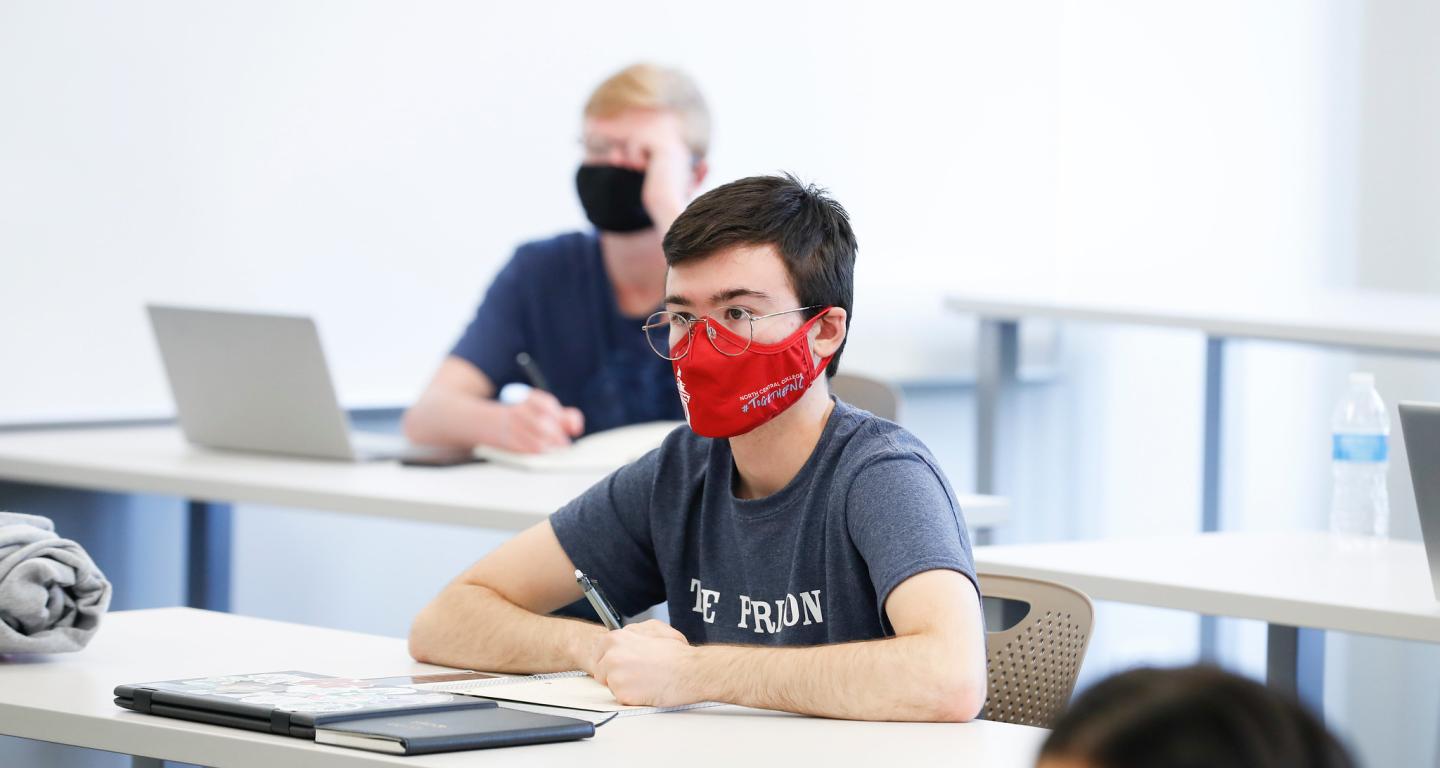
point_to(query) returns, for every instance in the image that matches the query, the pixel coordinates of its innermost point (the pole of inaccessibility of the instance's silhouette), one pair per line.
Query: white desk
(1377, 322)
(158, 460)
(1365, 321)
(1291, 580)
(68, 699)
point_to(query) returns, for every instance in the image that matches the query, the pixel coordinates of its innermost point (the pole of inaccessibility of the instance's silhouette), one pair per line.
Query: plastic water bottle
(1360, 450)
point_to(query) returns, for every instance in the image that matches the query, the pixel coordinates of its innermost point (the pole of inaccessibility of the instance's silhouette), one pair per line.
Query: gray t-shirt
(812, 563)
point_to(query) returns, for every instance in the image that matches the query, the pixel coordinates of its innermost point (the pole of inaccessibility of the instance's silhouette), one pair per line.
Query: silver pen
(591, 589)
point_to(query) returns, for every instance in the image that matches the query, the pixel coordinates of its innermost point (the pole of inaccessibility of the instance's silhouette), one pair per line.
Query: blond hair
(649, 86)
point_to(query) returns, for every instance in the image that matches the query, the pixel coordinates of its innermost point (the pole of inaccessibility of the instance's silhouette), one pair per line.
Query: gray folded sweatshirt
(51, 593)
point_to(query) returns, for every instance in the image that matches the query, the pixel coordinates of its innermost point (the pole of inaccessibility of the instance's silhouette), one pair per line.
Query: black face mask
(611, 198)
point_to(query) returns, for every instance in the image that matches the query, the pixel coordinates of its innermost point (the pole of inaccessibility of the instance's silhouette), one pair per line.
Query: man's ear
(827, 335)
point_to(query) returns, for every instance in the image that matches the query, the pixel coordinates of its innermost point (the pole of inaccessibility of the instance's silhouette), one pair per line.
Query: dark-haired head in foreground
(804, 226)
(1191, 717)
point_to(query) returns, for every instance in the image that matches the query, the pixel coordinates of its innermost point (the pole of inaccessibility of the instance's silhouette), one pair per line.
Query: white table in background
(157, 460)
(1364, 321)
(1290, 580)
(1373, 322)
(68, 699)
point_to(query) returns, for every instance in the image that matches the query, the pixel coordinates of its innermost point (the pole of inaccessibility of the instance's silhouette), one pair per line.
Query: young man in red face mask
(571, 302)
(812, 555)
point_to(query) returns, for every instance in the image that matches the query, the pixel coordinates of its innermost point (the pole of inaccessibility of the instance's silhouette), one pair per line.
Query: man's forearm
(900, 678)
(453, 419)
(473, 627)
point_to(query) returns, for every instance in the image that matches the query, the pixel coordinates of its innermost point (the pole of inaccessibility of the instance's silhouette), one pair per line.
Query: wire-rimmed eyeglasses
(667, 330)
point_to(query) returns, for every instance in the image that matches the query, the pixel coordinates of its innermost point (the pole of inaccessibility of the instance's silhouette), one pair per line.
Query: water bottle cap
(1362, 380)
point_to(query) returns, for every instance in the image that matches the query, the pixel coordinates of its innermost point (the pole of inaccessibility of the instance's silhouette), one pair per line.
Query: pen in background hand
(532, 371)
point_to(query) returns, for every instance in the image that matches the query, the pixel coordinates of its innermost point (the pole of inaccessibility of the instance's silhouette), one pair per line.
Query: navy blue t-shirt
(809, 564)
(554, 301)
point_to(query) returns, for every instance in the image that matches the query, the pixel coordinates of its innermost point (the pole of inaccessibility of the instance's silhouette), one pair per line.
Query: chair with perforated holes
(1032, 666)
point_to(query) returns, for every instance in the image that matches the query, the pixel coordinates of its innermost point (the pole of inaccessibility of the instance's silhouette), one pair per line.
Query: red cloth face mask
(725, 396)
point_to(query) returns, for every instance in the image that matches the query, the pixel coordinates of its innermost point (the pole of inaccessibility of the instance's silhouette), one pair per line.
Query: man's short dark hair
(809, 229)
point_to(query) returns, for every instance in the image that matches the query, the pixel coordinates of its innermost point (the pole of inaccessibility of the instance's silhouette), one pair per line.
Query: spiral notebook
(568, 690)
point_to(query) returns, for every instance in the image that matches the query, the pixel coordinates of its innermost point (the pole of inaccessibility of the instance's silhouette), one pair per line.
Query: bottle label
(1360, 448)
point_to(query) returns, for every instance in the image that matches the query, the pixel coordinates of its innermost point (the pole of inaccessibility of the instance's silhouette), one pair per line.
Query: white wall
(373, 163)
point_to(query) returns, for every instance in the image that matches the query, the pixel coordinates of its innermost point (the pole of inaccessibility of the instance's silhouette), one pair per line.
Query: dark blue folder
(424, 732)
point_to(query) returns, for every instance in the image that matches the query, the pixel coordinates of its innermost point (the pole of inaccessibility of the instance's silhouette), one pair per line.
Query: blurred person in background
(573, 303)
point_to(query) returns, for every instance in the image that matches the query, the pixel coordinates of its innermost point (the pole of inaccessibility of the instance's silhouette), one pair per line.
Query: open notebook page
(600, 452)
(570, 690)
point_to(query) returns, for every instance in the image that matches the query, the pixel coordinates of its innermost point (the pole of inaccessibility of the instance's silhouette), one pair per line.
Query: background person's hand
(669, 166)
(539, 423)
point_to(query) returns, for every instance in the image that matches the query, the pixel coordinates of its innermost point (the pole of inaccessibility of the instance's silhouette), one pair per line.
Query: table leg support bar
(996, 365)
(1210, 472)
(1295, 664)
(208, 556)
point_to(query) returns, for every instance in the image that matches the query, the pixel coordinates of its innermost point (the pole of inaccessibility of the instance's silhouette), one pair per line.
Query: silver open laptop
(1420, 423)
(258, 382)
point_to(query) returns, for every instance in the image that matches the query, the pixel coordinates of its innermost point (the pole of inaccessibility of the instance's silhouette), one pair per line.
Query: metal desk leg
(1210, 484)
(208, 556)
(997, 361)
(1295, 664)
